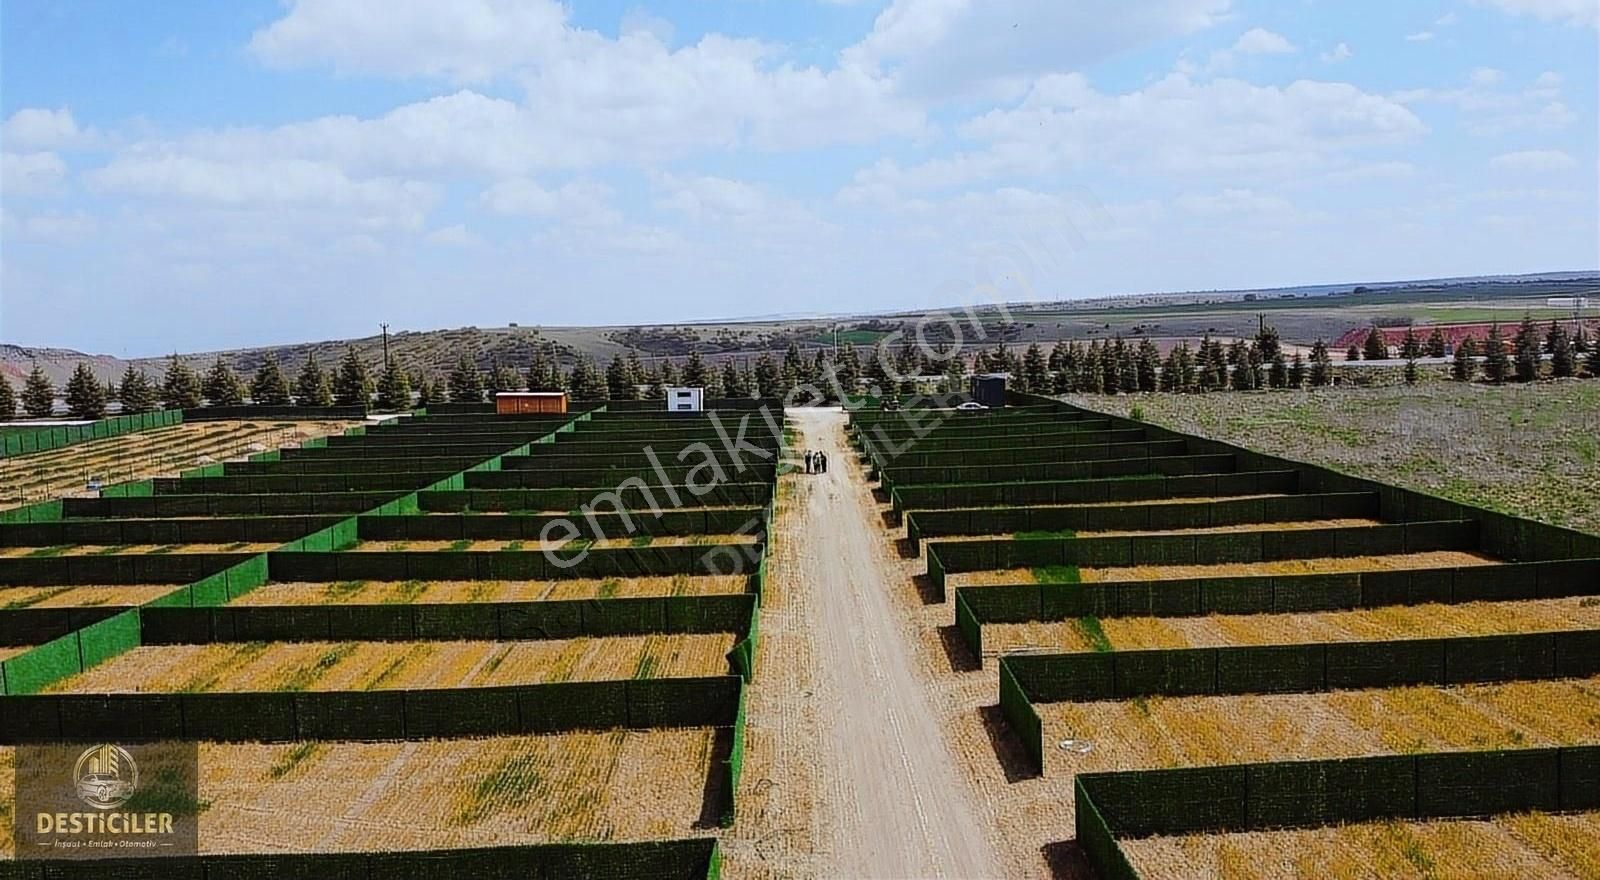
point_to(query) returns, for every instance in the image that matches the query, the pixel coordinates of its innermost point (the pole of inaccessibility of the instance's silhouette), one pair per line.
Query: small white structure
(1567, 302)
(686, 399)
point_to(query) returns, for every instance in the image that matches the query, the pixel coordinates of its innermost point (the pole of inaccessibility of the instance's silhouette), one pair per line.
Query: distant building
(686, 399)
(1567, 302)
(524, 402)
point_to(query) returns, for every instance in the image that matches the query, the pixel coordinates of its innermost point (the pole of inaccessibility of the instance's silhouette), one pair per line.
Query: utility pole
(385, 344)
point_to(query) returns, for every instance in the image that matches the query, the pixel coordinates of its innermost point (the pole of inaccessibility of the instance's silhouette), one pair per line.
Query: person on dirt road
(808, 460)
(822, 462)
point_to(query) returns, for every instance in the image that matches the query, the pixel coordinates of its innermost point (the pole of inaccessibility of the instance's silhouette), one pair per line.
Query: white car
(971, 405)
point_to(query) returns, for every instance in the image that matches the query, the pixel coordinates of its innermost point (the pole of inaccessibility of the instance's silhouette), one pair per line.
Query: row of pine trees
(1110, 367)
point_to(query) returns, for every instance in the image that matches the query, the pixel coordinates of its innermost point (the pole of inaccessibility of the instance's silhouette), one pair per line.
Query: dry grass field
(1528, 450)
(1207, 731)
(1221, 630)
(338, 797)
(16, 598)
(136, 549)
(1334, 565)
(539, 546)
(445, 592)
(164, 452)
(1529, 845)
(366, 666)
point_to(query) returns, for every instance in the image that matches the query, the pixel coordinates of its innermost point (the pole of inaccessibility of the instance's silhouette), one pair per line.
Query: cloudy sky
(197, 175)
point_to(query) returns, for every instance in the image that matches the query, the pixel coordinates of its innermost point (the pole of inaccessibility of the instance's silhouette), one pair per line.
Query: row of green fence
(372, 716)
(1208, 548)
(689, 859)
(1310, 794)
(1139, 517)
(1093, 491)
(1270, 594)
(27, 439)
(1089, 676)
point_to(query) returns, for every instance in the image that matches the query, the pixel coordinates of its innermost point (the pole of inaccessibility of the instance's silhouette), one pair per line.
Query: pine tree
(1496, 365)
(1297, 371)
(1352, 354)
(1270, 349)
(1580, 339)
(8, 399)
(222, 386)
(394, 388)
(506, 378)
(137, 393)
(619, 385)
(352, 386)
(1092, 375)
(1411, 371)
(311, 387)
(38, 395)
(465, 382)
(586, 380)
(1375, 348)
(428, 392)
(180, 387)
(1563, 363)
(1036, 370)
(636, 373)
(768, 376)
(747, 378)
(1278, 371)
(695, 374)
(1147, 365)
(1528, 351)
(543, 372)
(876, 373)
(1466, 364)
(733, 380)
(1410, 345)
(1550, 337)
(847, 370)
(1110, 375)
(1435, 348)
(1244, 376)
(269, 387)
(713, 386)
(1321, 365)
(794, 366)
(1593, 362)
(1169, 372)
(86, 397)
(669, 374)
(650, 378)
(1217, 363)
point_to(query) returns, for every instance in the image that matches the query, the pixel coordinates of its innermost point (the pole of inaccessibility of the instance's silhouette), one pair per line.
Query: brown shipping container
(522, 402)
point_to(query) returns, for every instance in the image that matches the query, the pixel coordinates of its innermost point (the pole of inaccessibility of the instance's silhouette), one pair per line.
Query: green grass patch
(109, 551)
(510, 786)
(608, 589)
(1096, 636)
(640, 541)
(294, 757)
(308, 676)
(56, 550)
(342, 589)
(1056, 574)
(408, 593)
(458, 546)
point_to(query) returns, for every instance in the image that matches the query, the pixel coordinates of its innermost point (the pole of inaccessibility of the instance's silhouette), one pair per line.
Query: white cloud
(638, 20)
(275, 184)
(457, 235)
(965, 47)
(704, 197)
(30, 174)
(1176, 125)
(1534, 161)
(1233, 202)
(1419, 37)
(1447, 20)
(1491, 110)
(1257, 41)
(1578, 12)
(579, 202)
(38, 128)
(1341, 52)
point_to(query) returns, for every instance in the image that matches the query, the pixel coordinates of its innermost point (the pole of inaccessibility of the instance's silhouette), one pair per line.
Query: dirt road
(891, 800)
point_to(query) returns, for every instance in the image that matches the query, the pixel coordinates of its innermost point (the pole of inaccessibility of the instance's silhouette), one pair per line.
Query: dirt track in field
(887, 796)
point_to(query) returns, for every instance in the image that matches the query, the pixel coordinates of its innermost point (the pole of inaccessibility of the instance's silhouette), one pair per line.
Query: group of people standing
(816, 462)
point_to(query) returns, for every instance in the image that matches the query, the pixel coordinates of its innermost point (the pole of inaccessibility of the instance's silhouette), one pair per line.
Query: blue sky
(197, 175)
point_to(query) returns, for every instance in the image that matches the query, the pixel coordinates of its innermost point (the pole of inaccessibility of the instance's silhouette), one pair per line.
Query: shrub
(86, 397)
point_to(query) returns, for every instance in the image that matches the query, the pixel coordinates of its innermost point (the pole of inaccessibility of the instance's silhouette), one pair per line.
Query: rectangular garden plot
(447, 592)
(369, 666)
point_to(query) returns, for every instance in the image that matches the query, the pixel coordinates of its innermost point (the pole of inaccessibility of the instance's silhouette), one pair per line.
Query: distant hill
(1300, 313)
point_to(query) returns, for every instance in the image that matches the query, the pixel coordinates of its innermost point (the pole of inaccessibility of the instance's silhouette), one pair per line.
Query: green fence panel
(1487, 783)
(1094, 836)
(1304, 794)
(1019, 713)
(40, 667)
(108, 638)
